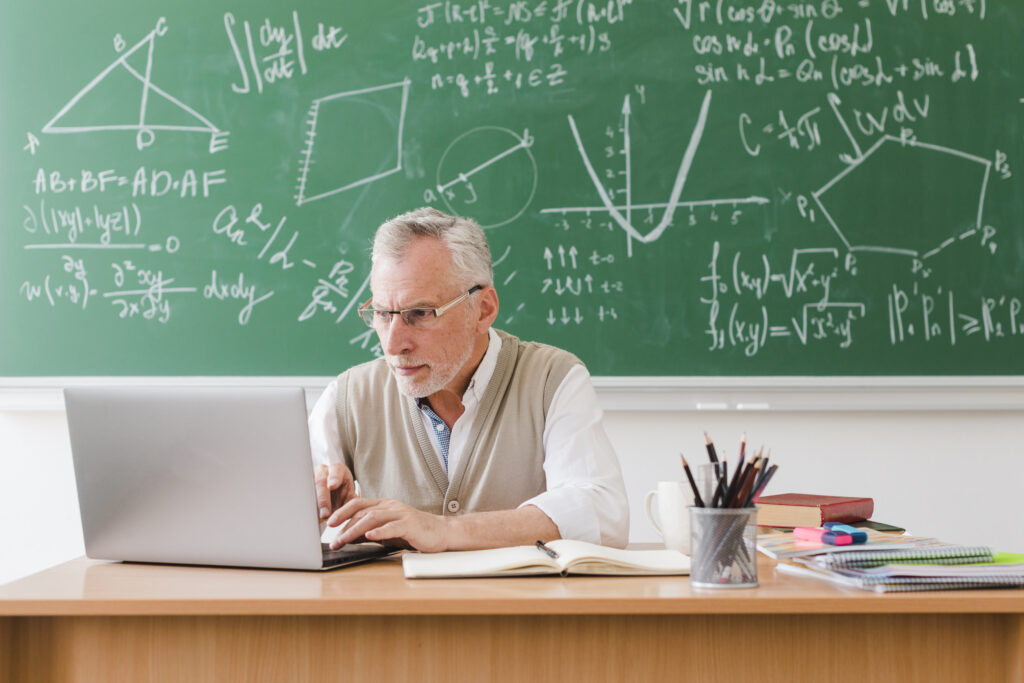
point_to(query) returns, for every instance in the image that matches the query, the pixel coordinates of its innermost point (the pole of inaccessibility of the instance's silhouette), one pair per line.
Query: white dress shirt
(585, 496)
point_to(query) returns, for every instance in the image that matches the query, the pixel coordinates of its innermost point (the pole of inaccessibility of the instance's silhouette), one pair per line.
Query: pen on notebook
(550, 553)
(697, 500)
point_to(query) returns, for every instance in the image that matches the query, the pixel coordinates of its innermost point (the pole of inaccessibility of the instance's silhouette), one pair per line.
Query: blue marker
(857, 535)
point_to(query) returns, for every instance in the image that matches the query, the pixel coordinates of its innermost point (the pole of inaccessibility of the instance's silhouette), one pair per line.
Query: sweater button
(453, 506)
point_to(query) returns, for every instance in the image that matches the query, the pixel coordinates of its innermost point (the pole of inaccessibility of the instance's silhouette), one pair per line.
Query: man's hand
(390, 522)
(335, 486)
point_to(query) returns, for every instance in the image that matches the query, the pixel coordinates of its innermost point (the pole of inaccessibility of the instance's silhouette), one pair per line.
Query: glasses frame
(438, 311)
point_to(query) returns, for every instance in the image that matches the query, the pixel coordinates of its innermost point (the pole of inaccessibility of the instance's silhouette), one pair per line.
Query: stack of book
(889, 563)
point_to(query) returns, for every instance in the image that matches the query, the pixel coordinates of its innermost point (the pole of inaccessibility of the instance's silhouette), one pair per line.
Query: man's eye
(382, 316)
(418, 315)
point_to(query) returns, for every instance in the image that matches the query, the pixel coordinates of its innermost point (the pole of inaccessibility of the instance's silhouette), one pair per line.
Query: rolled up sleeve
(585, 496)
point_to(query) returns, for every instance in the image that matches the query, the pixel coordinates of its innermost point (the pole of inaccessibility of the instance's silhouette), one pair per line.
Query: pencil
(723, 483)
(756, 493)
(713, 457)
(739, 480)
(734, 484)
(711, 448)
(748, 484)
(759, 484)
(697, 500)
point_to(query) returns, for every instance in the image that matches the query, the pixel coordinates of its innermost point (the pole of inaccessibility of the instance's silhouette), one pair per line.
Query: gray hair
(464, 238)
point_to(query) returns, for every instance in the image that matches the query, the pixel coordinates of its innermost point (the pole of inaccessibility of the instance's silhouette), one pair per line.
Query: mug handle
(650, 516)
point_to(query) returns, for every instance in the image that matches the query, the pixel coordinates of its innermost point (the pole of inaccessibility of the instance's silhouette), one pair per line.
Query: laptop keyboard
(353, 553)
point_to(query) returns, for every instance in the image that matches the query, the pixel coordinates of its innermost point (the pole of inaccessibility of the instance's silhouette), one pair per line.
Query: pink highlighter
(806, 533)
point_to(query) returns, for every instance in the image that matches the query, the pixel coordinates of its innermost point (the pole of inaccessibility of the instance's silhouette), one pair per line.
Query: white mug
(674, 500)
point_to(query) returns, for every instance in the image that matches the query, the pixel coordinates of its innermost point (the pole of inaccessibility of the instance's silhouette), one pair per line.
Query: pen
(551, 553)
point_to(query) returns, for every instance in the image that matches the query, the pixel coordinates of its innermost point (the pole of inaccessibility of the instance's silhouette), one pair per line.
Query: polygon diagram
(352, 138)
(906, 197)
(122, 97)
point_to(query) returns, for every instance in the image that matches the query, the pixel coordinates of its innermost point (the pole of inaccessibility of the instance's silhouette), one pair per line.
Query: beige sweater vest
(389, 452)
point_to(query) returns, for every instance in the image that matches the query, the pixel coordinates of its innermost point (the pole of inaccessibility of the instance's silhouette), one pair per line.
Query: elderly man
(461, 436)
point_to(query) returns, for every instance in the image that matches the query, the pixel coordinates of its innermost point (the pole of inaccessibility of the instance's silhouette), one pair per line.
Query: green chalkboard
(670, 187)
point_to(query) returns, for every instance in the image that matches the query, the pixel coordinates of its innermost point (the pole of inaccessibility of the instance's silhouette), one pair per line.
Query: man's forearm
(479, 530)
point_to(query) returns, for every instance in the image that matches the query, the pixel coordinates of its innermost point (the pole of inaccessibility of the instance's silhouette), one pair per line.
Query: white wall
(950, 474)
(39, 523)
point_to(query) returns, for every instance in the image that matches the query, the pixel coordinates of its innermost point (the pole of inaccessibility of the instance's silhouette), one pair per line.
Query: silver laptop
(208, 476)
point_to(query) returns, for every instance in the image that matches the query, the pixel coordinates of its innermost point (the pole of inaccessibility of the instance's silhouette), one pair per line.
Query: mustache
(404, 361)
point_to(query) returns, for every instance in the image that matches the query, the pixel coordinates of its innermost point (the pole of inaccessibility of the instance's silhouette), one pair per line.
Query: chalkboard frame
(644, 394)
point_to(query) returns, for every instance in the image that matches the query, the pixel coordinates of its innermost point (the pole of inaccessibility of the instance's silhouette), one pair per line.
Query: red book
(802, 509)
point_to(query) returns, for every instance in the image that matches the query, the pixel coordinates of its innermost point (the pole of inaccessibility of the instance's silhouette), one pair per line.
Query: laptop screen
(195, 475)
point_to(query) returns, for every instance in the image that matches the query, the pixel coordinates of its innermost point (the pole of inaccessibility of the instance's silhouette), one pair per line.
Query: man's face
(423, 361)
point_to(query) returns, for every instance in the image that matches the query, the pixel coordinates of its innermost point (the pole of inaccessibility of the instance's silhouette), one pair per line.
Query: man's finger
(323, 492)
(349, 510)
(358, 527)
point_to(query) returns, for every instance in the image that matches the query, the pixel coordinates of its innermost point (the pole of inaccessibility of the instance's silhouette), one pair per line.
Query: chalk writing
(744, 187)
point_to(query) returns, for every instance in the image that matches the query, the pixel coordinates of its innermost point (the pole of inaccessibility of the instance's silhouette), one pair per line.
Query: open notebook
(573, 557)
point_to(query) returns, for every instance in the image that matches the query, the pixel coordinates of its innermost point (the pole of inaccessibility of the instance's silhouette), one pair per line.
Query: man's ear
(488, 309)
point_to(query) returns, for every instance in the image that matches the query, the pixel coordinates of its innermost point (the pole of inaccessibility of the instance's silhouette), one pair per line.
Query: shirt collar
(484, 371)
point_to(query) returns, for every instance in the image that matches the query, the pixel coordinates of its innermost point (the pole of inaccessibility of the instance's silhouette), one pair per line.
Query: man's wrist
(449, 531)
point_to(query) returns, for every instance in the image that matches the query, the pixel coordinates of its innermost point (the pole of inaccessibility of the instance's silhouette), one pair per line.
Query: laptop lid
(195, 475)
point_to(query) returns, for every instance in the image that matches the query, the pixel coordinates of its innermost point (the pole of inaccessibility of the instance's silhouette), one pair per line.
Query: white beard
(441, 373)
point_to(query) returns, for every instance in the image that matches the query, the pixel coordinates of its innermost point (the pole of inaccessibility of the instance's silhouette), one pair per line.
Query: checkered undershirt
(444, 434)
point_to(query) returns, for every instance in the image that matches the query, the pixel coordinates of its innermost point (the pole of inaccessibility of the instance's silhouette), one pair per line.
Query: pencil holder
(723, 547)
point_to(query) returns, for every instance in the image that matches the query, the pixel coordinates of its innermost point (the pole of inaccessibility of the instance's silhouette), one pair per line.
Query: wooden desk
(95, 621)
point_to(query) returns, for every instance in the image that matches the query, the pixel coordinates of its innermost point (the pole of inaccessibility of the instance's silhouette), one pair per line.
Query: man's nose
(395, 336)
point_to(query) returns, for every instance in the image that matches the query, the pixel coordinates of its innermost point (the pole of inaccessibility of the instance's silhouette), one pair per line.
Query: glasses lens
(419, 317)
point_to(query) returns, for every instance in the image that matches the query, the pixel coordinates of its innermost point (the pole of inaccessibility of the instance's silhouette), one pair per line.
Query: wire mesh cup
(723, 547)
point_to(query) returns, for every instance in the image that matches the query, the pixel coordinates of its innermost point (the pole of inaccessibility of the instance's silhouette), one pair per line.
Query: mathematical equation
(519, 46)
(814, 42)
(647, 169)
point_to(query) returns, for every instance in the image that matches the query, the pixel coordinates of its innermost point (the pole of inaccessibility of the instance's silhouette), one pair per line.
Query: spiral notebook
(903, 578)
(934, 555)
(941, 567)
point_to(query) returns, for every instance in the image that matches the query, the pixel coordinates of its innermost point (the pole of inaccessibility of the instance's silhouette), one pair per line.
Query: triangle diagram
(120, 98)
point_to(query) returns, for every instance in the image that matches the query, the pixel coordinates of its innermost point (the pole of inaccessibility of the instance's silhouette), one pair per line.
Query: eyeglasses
(421, 318)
